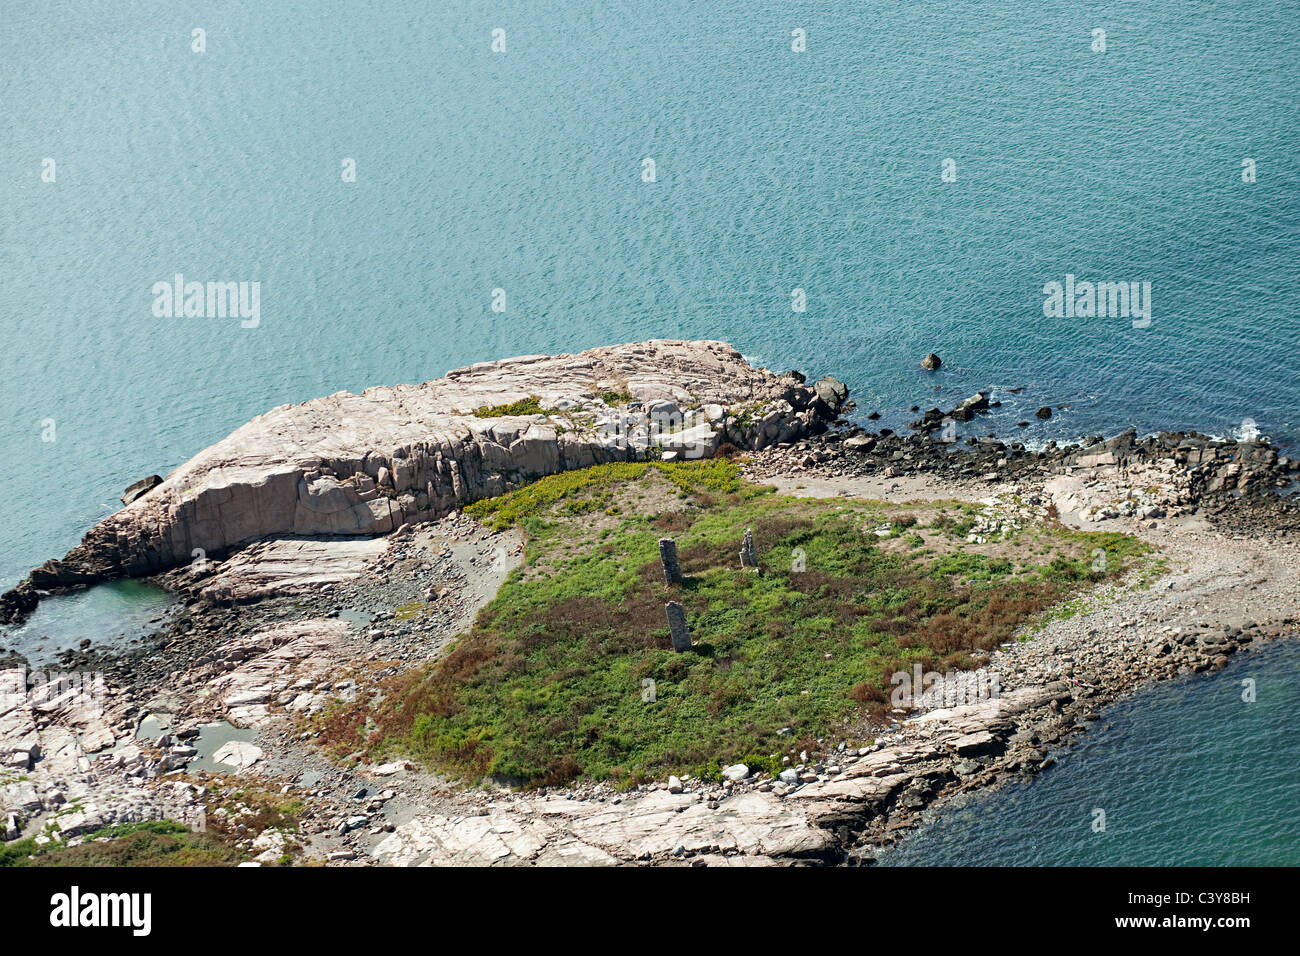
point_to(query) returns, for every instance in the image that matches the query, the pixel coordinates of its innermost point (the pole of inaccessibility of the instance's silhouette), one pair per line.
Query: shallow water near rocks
(211, 738)
(111, 615)
(153, 726)
(359, 620)
(1188, 774)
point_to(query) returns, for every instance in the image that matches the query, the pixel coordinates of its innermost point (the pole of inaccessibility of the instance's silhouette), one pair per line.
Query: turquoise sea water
(1187, 774)
(110, 614)
(522, 170)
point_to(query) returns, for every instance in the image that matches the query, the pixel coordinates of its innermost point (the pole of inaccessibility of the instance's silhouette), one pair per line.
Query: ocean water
(113, 614)
(522, 170)
(775, 170)
(1187, 773)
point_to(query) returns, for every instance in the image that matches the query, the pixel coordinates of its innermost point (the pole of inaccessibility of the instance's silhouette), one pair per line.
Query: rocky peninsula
(367, 464)
(326, 552)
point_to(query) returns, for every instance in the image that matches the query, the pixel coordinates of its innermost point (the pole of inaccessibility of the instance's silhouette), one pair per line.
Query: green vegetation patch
(235, 814)
(532, 405)
(590, 489)
(149, 843)
(569, 672)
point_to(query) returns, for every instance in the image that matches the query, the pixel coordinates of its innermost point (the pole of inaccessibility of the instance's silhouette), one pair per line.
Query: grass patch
(149, 843)
(532, 405)
(568, 673)
(406, 612)
(252, 810)
(589, 489)
(235, 816)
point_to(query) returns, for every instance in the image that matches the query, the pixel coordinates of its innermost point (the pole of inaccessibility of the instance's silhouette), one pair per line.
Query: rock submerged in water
(931, 362)
(1043, 413)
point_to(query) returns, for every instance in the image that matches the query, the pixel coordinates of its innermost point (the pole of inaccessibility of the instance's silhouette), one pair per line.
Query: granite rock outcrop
(366, 464)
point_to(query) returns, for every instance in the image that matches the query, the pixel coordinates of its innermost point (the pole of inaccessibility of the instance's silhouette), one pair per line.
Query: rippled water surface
(1187, 774)
(775, 170)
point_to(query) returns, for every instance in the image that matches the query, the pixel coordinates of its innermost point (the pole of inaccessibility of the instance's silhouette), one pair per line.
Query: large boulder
(832, 392)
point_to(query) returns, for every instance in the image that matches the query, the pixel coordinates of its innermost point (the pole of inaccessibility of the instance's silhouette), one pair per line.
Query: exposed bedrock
(366, 464)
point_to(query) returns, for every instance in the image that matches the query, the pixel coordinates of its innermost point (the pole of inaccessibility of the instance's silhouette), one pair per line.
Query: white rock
(238, 754)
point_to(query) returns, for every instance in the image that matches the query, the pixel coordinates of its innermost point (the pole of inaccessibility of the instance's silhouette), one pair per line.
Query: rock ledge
(367, 464)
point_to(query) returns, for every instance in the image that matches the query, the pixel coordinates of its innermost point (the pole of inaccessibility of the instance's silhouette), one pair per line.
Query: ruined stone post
(747, 557)
(677, 626)
(668, 555)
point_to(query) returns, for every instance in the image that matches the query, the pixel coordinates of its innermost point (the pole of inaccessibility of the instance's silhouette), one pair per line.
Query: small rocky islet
(327, 548)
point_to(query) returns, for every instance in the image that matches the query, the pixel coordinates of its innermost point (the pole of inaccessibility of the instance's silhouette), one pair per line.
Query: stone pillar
(668, 555)
(677, 626)
(747, 557)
